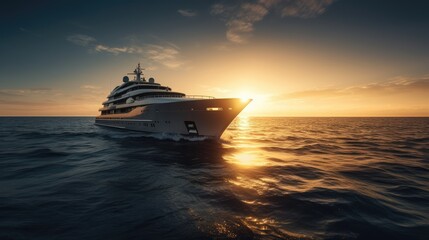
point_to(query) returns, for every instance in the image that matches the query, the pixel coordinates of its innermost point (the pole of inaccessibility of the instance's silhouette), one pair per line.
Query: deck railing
(163, 96)
(199, 96)
(176, 96)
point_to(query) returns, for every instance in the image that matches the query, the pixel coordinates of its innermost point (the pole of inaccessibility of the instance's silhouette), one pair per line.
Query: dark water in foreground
(268, 178)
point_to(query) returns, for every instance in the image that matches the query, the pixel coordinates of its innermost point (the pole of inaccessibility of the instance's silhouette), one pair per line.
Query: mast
(138, 72)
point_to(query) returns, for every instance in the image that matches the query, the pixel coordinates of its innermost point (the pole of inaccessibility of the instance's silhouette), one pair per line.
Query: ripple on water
(267, 178)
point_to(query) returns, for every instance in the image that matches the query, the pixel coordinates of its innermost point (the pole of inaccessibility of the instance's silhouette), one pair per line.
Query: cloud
(92, 43)
(167, 54)
(47, 101)
(113, 50)
(401, 96)
(398, 86)
(219, 90)
(81, 40)
(19, 99)
(187, 12)
(305, 8)
(242, 25)
(218, 9)
(24, 91)
(89, 87)
(240, 19)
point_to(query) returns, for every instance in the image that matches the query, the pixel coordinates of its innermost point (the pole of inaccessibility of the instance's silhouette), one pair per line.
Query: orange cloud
(399, 97)
(400, 85)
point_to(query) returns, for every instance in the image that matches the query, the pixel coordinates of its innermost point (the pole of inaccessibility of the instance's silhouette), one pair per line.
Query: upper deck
(140, 89)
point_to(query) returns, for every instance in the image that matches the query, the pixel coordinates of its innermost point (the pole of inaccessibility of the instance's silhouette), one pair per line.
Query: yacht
(144, 105)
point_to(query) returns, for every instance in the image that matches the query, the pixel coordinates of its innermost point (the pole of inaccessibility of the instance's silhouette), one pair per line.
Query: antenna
(138, 72)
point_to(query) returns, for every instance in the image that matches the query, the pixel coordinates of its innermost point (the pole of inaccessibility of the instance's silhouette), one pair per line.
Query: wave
(275, 178)
(46, 152)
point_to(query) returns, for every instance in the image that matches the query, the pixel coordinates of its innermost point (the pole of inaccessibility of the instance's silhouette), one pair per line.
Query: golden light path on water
(249, 153)
(248, 158)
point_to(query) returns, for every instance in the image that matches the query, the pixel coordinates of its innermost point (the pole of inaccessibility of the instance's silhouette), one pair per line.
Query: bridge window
(214, 109)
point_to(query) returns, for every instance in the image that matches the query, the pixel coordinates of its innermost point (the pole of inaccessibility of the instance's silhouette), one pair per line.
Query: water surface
(267, 178)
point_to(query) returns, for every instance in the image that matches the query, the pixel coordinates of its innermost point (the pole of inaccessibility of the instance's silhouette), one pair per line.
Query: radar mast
(138, 72)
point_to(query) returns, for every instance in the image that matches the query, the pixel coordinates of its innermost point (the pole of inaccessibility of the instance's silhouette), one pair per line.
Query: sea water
(266, 178)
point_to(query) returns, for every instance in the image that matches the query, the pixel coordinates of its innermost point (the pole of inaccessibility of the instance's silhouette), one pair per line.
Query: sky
(292, 57)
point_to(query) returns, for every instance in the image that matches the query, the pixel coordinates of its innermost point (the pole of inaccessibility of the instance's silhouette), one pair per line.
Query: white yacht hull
(202, 117)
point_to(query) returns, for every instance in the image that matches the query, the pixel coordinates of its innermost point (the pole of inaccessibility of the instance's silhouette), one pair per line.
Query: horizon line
(237, 116)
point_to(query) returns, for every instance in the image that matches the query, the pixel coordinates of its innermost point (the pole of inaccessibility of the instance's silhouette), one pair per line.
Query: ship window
(214, 109)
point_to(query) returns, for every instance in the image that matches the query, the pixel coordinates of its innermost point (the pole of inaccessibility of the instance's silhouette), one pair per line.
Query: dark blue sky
(59, 44)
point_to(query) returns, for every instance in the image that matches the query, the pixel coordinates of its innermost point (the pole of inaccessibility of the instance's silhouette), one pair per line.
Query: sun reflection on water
(246, 149)
(246, 159)
(247, 156)
(243, 123)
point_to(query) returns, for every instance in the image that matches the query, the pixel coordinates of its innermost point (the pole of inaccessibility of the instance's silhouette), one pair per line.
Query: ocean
(267, 178)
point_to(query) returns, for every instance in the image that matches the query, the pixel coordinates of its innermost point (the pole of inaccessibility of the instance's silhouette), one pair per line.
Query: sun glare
(244, 97)
(257, 103)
